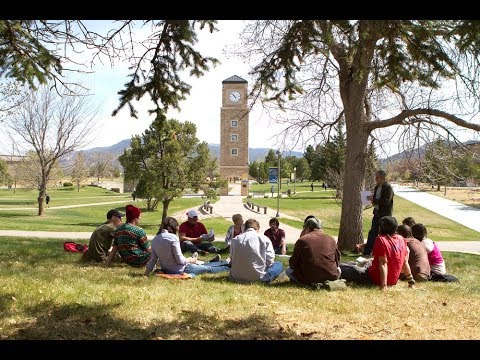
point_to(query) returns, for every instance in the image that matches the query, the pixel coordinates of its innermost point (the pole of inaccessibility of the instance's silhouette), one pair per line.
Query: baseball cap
(313, 223)
(192, 213)
(114, 212)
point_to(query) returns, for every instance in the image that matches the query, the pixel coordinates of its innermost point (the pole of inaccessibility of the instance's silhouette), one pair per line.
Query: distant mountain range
(116, 150)
(416, 153)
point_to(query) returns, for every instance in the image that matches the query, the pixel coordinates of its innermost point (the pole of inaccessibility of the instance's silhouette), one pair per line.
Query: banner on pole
(273, 175)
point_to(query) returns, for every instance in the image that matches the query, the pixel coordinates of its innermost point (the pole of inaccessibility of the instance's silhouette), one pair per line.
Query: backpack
(72, 246)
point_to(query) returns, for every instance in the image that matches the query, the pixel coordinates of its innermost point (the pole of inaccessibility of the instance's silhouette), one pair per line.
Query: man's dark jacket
(385, 203)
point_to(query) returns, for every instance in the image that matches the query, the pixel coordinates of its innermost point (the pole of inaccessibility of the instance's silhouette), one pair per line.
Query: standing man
(311, 186)
(47, 200)
(272, 190)
(130, 240)
(102, 238)
(195, 238)
(315, 258)
(382, 200)
(252, 256)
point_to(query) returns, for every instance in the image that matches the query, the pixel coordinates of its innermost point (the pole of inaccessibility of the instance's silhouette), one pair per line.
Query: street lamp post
(278, 185)
(294, 179)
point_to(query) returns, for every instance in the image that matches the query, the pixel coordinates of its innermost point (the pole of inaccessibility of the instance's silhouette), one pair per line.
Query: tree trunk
(351, 224)
(41, 199)
(438, 187)
(165, 203)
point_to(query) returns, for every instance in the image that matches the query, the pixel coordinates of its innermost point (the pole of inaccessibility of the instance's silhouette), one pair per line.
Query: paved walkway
(465, 215)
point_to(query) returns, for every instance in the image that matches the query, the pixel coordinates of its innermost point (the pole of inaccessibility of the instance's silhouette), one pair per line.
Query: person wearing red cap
(192, 234)
(130, 240)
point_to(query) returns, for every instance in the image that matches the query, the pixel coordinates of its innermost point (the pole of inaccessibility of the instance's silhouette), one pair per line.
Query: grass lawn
(322, 204)
(45, 293)
(299, 186)
(219, 224)
(85, 218)
(59, 196)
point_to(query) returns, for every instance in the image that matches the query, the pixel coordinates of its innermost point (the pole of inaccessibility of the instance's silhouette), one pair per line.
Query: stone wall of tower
(234, 137)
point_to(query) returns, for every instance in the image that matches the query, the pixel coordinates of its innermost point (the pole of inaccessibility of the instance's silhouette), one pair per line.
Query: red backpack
(74, 247)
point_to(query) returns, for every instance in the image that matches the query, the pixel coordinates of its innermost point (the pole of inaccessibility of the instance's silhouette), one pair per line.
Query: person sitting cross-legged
(435, 257)
(166, 250)
(418, 257)
(102, 238)
(193, 237)
(276, 236)
(390, 258)
(315, 256)
(252, 256)
(130, 240)
(236, 229)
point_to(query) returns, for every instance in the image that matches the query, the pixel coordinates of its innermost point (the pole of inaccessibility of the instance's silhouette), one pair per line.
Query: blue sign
(273, 175)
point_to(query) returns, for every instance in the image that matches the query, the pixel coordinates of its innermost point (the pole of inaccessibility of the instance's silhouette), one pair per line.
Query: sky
(201, 107)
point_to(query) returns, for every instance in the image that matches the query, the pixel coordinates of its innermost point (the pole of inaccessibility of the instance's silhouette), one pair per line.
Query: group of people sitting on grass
(399, 252)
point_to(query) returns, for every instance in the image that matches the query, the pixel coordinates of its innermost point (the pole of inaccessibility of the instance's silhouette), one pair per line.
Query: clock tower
(234, 129)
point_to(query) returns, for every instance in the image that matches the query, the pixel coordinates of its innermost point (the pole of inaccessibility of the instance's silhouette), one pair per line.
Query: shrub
(67, 184)
(117, 190)
(265, 196)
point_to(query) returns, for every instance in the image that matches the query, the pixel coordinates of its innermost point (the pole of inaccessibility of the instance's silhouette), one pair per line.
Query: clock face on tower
(234, 96)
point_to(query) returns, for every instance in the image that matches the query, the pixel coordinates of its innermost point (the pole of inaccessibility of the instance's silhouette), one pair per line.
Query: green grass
(85, 218)
(45, 293)
(218, 224)
(322, 204)
(59, 196)
(299, 187)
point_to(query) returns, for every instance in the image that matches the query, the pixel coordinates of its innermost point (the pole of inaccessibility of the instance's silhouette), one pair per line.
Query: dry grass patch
(467, 196)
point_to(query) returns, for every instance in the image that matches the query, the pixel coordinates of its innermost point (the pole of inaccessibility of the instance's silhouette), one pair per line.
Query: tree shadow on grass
(79, 322)
(93, 225)
(18, 203)
(11, 215)
(6, 302)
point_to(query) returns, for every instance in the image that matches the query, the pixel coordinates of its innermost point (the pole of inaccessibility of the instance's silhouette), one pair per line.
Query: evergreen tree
(303, 170)
(271, 158)
(167, 158)
(35, 51)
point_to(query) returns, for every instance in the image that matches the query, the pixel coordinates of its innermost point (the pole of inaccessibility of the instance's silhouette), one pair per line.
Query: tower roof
(234, 79)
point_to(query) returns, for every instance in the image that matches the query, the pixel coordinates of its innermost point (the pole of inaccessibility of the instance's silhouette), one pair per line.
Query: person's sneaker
(216, 258)
(195, 255)
(225, 250)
